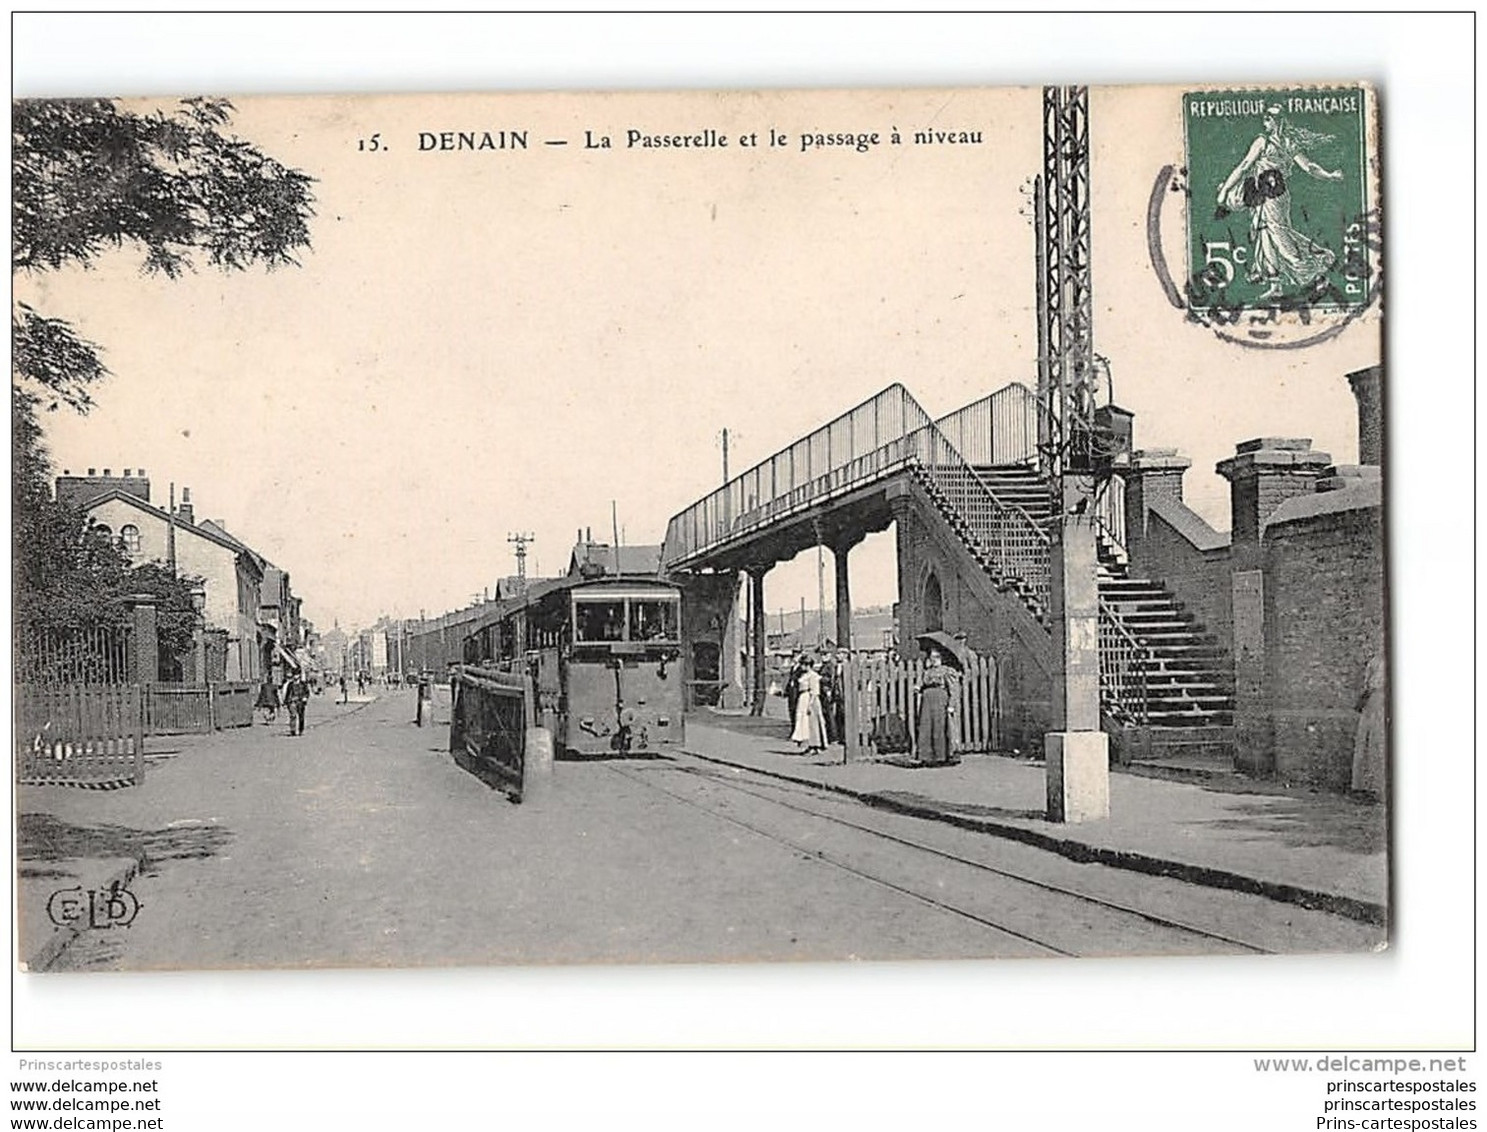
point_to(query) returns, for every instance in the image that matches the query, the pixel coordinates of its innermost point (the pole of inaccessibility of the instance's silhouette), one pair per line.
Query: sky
(509, 340)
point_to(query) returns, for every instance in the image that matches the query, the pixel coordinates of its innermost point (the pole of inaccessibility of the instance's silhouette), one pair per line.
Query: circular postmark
(1281, 318)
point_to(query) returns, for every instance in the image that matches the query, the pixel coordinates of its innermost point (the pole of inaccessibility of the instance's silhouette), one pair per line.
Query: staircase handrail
(997, 541)
(1112, 654)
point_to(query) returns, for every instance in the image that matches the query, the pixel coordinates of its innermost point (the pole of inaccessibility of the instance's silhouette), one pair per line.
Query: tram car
(604, 656)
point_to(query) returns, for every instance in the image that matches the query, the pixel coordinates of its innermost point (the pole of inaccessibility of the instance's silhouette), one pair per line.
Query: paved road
(361, 843)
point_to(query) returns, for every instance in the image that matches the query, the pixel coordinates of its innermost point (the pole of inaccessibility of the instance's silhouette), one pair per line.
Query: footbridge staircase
(1166, 687)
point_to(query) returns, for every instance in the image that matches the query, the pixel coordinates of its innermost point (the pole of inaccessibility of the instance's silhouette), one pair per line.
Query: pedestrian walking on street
(268, 700)
(344, 697)
(296, 696)
(810, 722)
(423, 693)
(936, 709)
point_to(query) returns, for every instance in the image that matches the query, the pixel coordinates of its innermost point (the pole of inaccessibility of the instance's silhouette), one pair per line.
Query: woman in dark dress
(936, 707)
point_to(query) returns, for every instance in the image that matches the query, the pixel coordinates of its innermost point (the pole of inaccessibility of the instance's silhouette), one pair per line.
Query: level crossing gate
(880, 697)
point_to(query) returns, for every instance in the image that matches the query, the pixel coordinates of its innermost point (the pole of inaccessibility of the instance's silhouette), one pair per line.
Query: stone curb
(1365, 911)
(63, 938)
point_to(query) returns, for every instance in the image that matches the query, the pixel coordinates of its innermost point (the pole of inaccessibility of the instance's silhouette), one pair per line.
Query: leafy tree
(90, 177)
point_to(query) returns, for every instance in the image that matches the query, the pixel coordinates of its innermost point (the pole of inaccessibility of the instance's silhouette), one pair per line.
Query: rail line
(766, 796)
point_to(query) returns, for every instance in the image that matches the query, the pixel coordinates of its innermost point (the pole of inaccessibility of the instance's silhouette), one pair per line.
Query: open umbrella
(951, 649)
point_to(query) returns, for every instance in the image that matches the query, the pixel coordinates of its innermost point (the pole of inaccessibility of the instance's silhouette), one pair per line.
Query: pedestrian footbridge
(971, 480)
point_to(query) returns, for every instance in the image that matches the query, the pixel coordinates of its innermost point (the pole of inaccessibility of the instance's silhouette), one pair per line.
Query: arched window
(934, 605)
(129, 536)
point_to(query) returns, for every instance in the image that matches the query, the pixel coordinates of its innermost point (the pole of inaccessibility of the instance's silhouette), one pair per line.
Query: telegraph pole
(1077, 754)
(520, 541)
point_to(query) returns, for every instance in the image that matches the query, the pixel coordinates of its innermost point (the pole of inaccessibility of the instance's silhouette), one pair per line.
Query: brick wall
(995, 623)
(1197, 576)
(1324, 620)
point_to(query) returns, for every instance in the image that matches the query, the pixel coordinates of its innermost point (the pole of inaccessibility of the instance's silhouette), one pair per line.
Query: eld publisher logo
(78, 907)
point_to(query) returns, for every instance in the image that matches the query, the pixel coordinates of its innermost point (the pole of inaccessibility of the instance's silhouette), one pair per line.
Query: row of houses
(253, 625)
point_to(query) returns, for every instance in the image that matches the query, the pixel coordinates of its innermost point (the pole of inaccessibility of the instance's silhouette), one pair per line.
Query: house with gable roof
(232, 573)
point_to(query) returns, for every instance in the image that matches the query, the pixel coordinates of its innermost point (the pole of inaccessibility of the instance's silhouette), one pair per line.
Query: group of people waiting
(814, 693)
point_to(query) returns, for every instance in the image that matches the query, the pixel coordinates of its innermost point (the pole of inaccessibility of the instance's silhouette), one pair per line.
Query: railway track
(1030, 914)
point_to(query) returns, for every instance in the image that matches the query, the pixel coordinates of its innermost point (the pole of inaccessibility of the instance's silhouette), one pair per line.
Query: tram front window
(600, 620)
(653, 621)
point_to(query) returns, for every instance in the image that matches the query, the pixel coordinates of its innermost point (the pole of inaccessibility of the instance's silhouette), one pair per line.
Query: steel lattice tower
(1066, 362)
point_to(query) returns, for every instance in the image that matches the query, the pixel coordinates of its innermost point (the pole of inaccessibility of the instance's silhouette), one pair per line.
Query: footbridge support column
(758, 676)
(839, 551)
(1077, 751)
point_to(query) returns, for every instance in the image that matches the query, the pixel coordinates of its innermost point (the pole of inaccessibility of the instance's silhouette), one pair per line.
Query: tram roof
(622, 585)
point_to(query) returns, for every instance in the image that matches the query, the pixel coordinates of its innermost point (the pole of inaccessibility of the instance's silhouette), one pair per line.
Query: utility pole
(520, 540)
(1076, 750)
(725, 455)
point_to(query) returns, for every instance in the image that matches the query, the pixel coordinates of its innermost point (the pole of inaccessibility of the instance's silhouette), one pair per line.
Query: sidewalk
(1304, 847)
(72, 842)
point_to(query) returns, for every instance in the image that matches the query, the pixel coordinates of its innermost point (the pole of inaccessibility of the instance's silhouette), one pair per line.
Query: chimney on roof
(185, 512)
(108, 471)
(92, 471)
(126, 472)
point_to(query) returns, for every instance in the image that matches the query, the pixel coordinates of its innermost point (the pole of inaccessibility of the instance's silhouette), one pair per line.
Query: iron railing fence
(95, 655)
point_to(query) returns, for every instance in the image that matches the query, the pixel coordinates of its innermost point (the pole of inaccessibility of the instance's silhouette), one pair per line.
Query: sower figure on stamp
(1280, 256)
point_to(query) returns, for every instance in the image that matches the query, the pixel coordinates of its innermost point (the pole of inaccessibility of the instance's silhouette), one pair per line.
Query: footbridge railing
(998, 430)
(886, 434)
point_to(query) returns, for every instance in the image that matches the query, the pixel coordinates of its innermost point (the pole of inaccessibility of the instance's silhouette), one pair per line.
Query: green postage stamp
(1277, 205)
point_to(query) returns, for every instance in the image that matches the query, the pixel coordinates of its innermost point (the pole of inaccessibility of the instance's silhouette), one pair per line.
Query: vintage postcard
(693, 527)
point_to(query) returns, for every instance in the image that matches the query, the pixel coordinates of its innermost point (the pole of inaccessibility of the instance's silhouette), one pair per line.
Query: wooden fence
(196, 709)
(232, 704)
(74, 735)
(881, 699)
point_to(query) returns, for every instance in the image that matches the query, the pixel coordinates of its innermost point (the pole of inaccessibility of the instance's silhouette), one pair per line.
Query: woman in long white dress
(810, 720)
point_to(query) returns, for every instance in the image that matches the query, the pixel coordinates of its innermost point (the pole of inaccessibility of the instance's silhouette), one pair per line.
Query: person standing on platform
(792, 684)
(1370, 770)
(831, 692)
(810, 723)
(936, 711)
